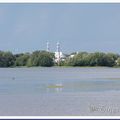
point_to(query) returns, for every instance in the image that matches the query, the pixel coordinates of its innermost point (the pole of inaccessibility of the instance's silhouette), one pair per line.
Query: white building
(71, 56)
(59, 56)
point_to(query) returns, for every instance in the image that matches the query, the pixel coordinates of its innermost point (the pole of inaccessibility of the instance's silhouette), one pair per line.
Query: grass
(55, 86)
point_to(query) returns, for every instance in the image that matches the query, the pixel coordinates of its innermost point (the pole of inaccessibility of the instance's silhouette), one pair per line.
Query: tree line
(93, 59)
(37, 58)
(46, 59)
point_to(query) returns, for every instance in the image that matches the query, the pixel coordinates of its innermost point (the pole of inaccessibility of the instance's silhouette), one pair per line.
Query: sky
(78, 27)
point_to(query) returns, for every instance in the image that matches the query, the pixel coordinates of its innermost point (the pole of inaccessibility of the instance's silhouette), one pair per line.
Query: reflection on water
(85, 85)
(55, 87)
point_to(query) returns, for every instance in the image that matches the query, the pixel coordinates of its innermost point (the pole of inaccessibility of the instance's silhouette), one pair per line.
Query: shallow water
(59, 91)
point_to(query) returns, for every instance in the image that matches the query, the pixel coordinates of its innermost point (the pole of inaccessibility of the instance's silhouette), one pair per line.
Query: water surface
(59, 91)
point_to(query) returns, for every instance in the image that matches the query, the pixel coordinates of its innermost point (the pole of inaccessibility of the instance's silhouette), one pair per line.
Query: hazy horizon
(78, 27)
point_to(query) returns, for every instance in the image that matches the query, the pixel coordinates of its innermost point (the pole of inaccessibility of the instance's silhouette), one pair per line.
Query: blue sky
(78, 27)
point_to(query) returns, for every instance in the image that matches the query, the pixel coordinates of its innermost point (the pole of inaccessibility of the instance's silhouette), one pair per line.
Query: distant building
(73, 54)
(59, 56)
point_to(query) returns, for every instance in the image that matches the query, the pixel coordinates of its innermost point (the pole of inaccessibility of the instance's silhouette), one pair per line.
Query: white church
(59, 56)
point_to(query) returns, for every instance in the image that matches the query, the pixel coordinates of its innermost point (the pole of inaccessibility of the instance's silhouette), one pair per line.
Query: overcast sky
(78, 27)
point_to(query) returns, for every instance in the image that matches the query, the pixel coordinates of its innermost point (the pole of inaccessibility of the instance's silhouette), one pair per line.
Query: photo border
(59, 1)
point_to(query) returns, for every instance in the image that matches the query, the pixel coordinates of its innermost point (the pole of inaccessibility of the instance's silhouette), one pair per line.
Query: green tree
(22, 60)
(78, 60)
(41, 58)
(7, 59)
(92, 59)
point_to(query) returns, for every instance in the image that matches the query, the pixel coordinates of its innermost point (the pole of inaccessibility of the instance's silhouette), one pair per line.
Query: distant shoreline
(49, 59)
(62, 67)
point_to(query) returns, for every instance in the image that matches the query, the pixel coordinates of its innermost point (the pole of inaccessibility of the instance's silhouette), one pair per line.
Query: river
(59, 91)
